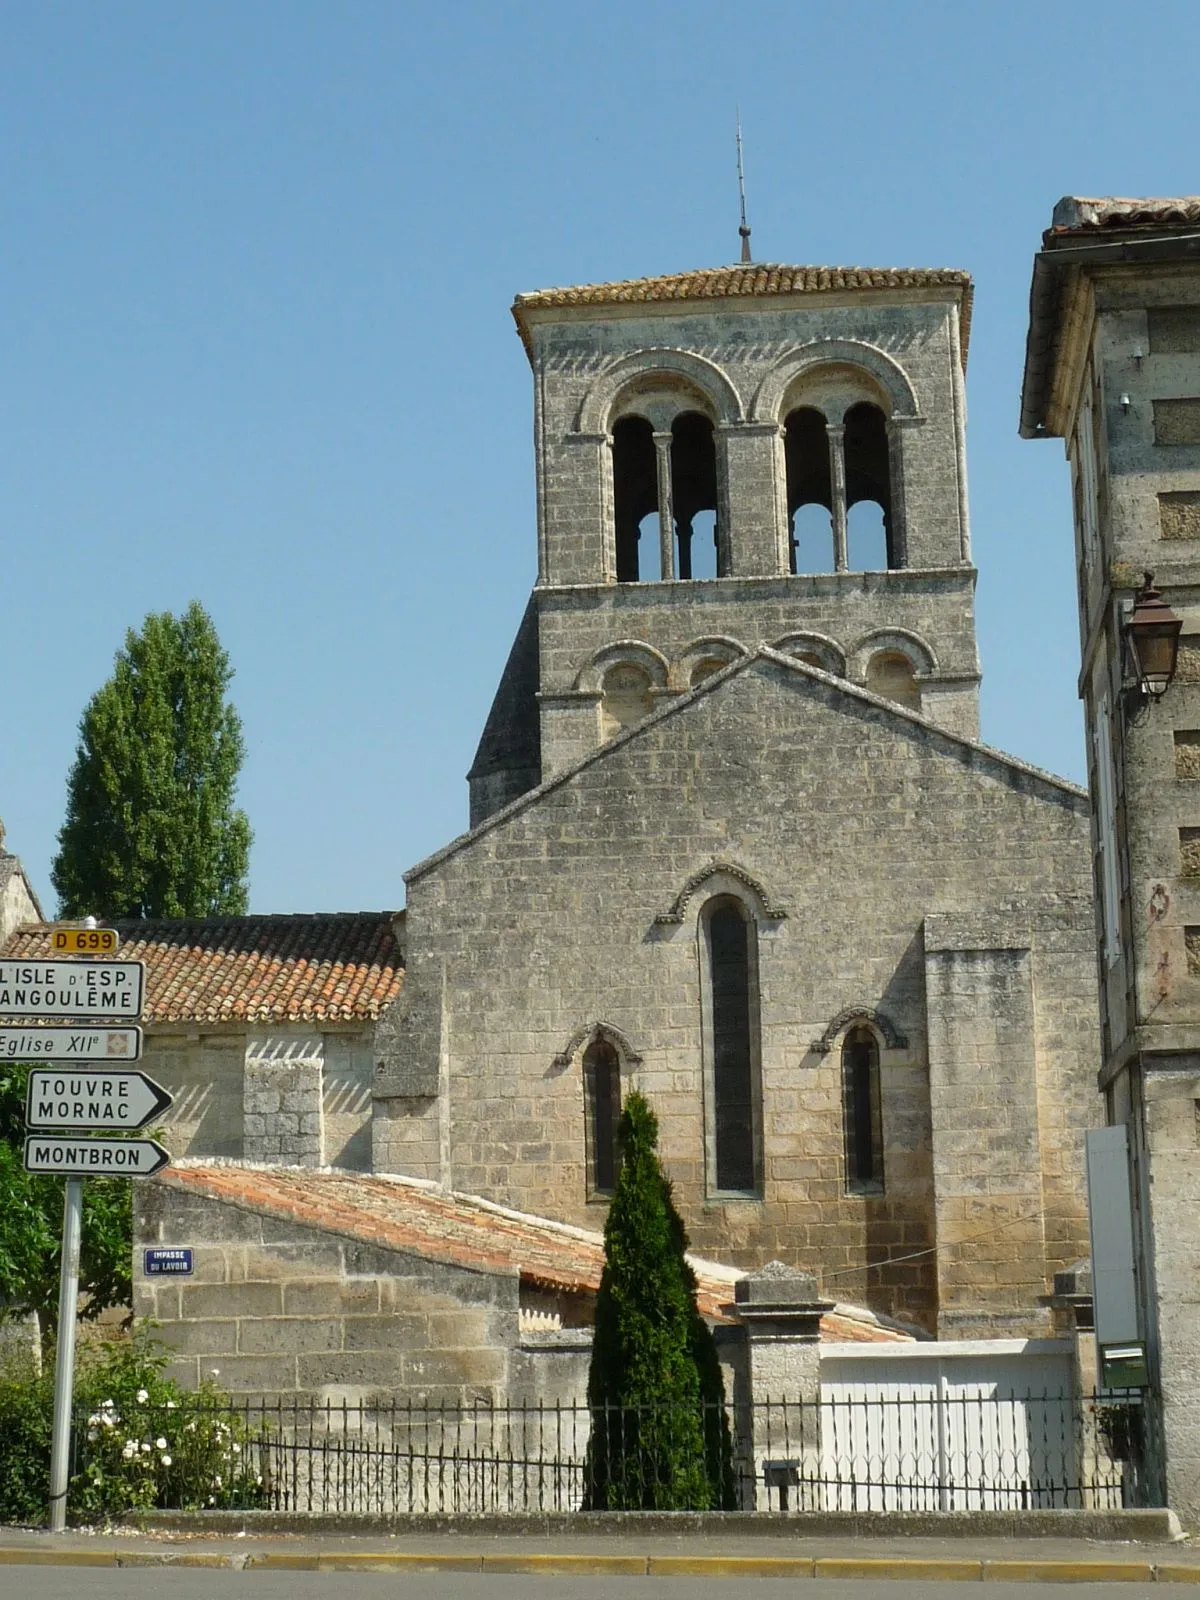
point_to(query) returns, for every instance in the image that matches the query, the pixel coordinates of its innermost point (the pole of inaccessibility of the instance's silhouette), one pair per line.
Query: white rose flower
(166, 1461)
(142, 1396)
(160, 1444)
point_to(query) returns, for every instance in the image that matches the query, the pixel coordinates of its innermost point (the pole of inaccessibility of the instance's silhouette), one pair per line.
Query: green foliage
(31, 1216)
(660, 1438)
(140, 1440)
(151, 827)
(26, 1409)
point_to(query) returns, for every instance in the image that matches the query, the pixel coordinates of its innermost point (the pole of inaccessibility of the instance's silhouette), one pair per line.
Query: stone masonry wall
(276, 1308)
(854, 821)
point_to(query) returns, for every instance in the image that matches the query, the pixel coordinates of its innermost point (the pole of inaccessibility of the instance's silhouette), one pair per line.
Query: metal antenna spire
(743, 230)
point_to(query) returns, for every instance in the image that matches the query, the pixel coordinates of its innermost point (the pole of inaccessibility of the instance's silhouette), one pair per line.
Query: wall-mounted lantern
(1153, 632)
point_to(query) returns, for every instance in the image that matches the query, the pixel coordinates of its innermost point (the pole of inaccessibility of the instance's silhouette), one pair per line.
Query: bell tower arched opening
(809, 491)
(635, 495)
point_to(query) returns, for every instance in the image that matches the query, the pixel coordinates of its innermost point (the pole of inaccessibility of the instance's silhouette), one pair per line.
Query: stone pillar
(898, 430)
(752, 519)
(837, 476)
(282, 1101)
(666, 506)
(779, 1418)
(1071, 1318)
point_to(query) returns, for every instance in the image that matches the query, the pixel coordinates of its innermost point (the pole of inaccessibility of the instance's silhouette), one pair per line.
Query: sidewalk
(624, 1551)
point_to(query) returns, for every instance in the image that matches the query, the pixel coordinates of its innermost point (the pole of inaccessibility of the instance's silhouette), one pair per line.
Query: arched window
(862, 1112)
(694, 497)
(890, 675)
(730, 956)
(809, 491)
(625, 698)
(635, 499)
(868, 490)
(602, 1113)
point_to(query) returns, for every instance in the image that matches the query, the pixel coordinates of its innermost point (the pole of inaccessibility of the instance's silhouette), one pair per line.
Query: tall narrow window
(694, 496)
(602, 1111)
(868, 489)
(809, 491)
(733, 1088)
(862, 1112)
(635, 496)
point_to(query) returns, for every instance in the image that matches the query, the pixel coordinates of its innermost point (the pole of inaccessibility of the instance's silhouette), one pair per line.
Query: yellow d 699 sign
(85, 941)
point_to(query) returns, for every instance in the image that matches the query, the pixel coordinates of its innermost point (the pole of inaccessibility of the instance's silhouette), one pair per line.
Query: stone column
(897, 432)
(666, 507)
(837, 477)
(1071, 1318)
(780, 1416)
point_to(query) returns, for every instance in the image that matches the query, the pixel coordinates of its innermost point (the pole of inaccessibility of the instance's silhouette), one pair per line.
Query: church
(734, 842)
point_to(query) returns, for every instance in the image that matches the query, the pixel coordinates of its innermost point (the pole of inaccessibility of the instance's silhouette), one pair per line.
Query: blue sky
(255, 344)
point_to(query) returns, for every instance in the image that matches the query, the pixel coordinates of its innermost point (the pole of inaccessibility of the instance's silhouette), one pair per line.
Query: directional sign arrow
(92, 1099)
(94, 1158)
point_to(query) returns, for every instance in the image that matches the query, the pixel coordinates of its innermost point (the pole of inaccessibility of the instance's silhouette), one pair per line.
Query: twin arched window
(665, 500)
(839, 491)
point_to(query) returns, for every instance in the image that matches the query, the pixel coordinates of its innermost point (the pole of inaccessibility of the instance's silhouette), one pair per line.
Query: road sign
(175, 1262)
(87, 1046)
(96, 1099)
(72, 988)
(85, 941)
(94, 1158)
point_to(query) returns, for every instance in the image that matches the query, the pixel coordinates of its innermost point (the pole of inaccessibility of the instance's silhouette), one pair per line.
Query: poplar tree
(659, 1434)
(151, 828)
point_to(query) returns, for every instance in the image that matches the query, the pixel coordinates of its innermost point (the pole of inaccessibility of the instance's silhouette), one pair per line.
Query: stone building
(1113, 369)
(734, 839)
(18, 902)
(262, 1028)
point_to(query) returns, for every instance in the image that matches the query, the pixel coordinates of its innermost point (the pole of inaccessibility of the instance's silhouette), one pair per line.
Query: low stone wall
(276, 1308)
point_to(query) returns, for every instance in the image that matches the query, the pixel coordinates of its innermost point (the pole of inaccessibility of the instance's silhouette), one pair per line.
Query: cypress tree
(151, 828)
(660, 1437)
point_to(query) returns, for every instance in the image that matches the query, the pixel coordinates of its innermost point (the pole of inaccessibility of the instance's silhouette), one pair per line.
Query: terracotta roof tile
(1080, 214)
(460, 1230)
(335, 967)
(756, 279)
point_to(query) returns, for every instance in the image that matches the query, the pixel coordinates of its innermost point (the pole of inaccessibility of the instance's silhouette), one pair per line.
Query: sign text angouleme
(71, 988)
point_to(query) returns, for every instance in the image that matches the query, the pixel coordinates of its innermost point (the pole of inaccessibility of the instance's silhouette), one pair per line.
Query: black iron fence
(911, 1451)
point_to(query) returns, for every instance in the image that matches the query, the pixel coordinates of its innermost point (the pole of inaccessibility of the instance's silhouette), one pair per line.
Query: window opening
(862, 1111)
(869, 480)
(625, 698)
(732, 1063)
(694, 496)
(602, 1092)
(866, 538)
(809, 491)
(635, 499)
(890, 675)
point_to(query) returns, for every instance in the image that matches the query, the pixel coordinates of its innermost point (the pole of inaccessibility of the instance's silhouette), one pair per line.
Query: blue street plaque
(168, 1260)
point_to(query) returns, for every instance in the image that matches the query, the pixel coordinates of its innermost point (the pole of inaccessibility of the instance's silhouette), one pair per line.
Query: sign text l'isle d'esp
(71, 988)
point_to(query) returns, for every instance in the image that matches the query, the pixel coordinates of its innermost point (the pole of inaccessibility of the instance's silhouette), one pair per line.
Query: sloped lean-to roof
(333, 967)
(757, 279)
(460, 1230)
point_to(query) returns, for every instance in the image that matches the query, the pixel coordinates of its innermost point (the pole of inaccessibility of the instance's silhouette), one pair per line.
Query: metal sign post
(108, 991)
(64, 1360)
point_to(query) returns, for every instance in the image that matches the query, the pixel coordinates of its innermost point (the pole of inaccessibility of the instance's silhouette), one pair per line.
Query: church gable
(722, 886)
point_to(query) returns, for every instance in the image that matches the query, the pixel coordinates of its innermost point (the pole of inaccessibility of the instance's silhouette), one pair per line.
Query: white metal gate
(956, 1426)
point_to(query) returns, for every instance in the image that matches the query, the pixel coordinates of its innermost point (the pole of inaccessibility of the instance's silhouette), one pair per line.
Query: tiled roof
(460, 1230)
(755, 279)
(718, 283)
(335, 967)
(1077, 213)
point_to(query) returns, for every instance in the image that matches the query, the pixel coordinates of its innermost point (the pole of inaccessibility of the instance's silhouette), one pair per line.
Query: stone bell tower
(727, 458)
